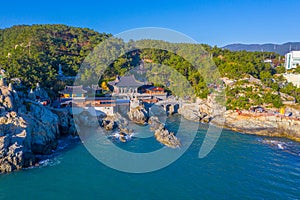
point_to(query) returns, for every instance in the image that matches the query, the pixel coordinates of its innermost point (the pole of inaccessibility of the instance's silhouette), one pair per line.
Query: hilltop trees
(33, 53)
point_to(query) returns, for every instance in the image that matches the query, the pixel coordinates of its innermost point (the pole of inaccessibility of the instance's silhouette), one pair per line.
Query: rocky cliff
(202, 110)
(263, 124)
(27, 129)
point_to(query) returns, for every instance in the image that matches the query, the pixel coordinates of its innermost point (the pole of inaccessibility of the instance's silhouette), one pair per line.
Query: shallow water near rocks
(239, 166)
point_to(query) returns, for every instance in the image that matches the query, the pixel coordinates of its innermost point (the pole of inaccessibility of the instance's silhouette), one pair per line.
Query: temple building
(125, 84)
(155, 90)
(72, 92)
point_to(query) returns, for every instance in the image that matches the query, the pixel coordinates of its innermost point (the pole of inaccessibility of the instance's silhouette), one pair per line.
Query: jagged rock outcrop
(66, 124)
(192, 111)
(26, 129)
(137, 112)
(44, 125)
(9, 99)
(15, 143)
(203, 110)
(109, 124)
(162, 134)
(138, 115)
(40, 92)
(86, 119)
(23, 136)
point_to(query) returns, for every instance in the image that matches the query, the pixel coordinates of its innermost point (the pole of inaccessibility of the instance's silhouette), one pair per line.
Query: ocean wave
(287, 146)
(49, 162)
(56, 156)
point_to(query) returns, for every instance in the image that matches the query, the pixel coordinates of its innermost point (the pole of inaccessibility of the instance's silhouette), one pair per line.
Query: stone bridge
(171, 106)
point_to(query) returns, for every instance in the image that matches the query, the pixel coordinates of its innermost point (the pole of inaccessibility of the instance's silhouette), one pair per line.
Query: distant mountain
(278, 48)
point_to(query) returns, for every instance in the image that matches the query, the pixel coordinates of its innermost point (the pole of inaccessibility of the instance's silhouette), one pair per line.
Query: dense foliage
(33, 53)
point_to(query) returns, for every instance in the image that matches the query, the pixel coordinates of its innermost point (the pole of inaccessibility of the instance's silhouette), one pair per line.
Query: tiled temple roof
(126, 81)
(73, 89)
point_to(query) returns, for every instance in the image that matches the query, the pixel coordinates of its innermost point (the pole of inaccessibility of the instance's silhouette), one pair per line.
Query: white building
(293, 78)
(292, 59)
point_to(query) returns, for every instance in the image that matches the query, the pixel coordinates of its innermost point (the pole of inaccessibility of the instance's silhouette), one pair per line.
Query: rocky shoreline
(29, 130)
(272, 125)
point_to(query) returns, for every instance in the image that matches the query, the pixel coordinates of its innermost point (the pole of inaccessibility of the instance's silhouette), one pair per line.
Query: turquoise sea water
(239, 167)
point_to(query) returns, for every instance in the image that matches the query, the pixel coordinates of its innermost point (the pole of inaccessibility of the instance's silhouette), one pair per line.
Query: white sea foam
(49, 162)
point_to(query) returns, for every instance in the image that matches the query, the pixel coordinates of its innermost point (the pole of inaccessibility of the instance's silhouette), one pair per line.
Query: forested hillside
(33, 53)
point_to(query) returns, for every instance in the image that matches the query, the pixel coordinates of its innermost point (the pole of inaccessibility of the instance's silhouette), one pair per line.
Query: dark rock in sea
(162, 134)
(109, 124)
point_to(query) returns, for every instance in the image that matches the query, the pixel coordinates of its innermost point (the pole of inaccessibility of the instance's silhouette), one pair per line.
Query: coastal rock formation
(86, 119)
(15, 143)
(9, 99)
(162, 134)
(203, 110)
(191, 111)
(23, 136)
(44, 133)
(263, 124)
(109, 124)
(138, 115)
(266, 124)
(26, 129)
(137, 112)
(123, 124)
(66, 122)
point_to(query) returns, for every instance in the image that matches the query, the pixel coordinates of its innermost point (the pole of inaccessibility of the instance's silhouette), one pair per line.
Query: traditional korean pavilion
(73, 92)
(125, 84)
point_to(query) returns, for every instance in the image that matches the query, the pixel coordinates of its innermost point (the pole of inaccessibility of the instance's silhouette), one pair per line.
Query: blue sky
(212, 22)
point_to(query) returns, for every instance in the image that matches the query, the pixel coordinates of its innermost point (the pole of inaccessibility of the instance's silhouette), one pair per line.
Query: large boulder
(162, 134)
(191, 111)
(66, 123)
(9, 98)
(109, 124)
(137, 112)
(85, 119)
(15, 143)
(138, 115)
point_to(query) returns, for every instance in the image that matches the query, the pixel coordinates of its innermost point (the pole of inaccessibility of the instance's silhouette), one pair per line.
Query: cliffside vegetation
(33, 53)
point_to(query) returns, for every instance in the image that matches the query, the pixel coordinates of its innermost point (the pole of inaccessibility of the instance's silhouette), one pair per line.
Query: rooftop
(295, 53)
(73, 89)
(153, 88)
(126, 81)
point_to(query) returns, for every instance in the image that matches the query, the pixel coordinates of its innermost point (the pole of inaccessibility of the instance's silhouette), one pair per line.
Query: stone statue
(2, 77)
(60, 72)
